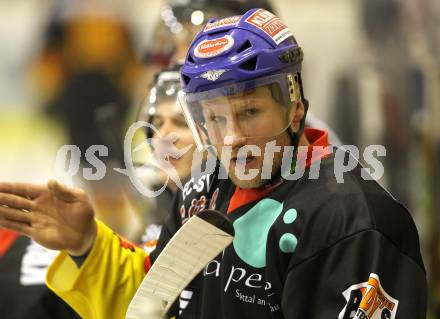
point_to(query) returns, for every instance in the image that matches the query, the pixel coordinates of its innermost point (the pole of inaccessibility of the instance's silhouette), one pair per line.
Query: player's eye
(250, 112)
(217, 119)
(157, 122)
(179, 122)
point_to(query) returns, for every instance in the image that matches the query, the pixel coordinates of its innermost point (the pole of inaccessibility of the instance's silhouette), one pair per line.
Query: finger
(16, 215)
(63, 192)
(14, 201)
(16, 226)
(22, 189)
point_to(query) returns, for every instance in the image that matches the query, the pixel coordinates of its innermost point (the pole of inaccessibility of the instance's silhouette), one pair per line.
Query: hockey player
(305, 246)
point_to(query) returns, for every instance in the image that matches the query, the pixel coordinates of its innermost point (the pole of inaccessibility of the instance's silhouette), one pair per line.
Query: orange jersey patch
(368, 300)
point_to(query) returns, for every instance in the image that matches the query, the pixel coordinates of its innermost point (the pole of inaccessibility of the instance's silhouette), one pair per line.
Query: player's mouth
(245, 161)
(173, 160)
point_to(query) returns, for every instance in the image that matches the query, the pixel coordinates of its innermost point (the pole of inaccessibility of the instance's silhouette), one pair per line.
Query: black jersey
(306, 248)
(23, 293)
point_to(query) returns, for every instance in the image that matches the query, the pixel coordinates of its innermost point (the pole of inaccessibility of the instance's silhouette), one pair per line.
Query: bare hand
(53, 215)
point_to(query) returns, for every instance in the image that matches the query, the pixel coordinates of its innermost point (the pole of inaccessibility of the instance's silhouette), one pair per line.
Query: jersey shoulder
(330, 211)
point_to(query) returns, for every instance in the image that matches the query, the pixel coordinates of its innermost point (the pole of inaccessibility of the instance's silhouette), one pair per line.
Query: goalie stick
(195, 244)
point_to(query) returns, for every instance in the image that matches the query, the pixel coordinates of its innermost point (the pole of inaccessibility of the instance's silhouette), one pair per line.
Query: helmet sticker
(229, 21)
(270, 24)
(214, 47)
(212, 75)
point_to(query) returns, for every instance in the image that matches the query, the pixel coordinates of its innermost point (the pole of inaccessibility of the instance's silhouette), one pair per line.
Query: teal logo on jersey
(252, 229)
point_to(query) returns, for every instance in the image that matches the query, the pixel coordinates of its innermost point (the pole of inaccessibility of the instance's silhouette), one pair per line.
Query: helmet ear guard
(298, 78)
(297, 95)
(294, 91)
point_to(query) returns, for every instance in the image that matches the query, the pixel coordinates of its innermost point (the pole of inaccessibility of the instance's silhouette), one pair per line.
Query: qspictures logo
(164, 150)
(368, 300)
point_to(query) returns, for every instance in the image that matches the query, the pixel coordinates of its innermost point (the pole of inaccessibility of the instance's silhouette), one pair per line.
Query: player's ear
(298, 114)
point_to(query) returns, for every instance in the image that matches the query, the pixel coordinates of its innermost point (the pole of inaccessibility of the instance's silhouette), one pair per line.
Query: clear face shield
(167, 151)
(161, 102)
(260, 108)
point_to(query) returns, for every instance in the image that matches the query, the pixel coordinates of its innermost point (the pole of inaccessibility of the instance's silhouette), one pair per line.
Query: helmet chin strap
(294, 136)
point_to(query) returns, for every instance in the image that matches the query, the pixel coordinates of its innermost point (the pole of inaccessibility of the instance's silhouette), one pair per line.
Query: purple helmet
(253, 58)
(243, 48)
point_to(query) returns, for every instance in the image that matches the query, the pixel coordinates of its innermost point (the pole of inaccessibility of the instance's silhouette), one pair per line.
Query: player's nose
(234, 135)
(167, 128)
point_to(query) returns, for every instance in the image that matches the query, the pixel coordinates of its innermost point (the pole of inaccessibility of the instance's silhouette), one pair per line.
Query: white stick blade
(194, 245)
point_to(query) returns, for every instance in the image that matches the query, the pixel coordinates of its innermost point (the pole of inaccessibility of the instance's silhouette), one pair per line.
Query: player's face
(169, 119)
(252, 120)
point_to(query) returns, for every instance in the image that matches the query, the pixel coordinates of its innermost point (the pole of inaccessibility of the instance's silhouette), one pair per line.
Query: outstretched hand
(55, 216)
